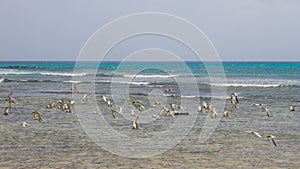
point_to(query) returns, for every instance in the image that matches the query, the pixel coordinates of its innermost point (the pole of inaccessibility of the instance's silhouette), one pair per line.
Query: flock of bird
(172, 110)
(37, 115)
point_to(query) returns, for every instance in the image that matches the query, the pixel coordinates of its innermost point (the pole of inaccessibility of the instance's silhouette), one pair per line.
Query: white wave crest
(246, 85)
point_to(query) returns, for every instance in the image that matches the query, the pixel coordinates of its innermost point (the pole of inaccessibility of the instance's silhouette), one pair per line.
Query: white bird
(135, 124)
(24, 124)
(74, 87)
(226, 113)
(271, 138)
(263, 109)
(213, 114)
(204, 105)
(132, 113)
(6, 110)
(200, 109)
(292, 108)
(85, 97)
(109, 103)
(255, 133)
(103, 98)
(156, 116)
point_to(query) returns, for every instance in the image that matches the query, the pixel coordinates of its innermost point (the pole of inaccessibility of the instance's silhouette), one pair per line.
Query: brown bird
(10, 100)
(37, 116)
(213, 114)
(169, 90)
(175, 96)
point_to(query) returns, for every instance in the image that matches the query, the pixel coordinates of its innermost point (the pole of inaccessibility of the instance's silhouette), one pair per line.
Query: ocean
(90, 137)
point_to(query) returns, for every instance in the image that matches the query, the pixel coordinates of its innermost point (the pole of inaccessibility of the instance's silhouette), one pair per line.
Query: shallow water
(59, 141)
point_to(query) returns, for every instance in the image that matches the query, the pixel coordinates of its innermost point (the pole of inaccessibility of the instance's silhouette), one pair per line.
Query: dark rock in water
(181, 113)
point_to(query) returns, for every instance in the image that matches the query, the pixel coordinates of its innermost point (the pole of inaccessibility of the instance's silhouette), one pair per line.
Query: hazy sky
(240, 30)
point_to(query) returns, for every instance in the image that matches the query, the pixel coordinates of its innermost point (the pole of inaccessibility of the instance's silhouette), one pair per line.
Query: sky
(240, 30)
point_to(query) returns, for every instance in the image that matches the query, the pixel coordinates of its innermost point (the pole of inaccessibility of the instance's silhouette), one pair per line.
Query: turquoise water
(59, 141)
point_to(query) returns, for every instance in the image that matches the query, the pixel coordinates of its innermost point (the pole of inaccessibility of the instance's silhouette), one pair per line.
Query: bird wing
(273, 140)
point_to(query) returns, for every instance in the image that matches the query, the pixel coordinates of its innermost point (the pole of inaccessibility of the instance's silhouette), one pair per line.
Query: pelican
(271, 138)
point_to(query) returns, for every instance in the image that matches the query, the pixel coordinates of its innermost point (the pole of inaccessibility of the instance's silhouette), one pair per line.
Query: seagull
(272, 138)
(74, 87)
(135, 124)
(110, 103)
(156, 116)
(234, 98)
(169, 90)
(6, 110)
(51, 106)
(175, 96)
(226, 113)
(103, 98)
(204, 105)
(132, 113)
(255, 133)
(213, 114)
(292, 108)
(113, 112)
(85, 97)
(9, 95)
(138, 105)
(134, 102)
(24, 124)
(172, 106)
(37, 116)
(200, 109)
(209, 107)
(263, 109)
(256, 104)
